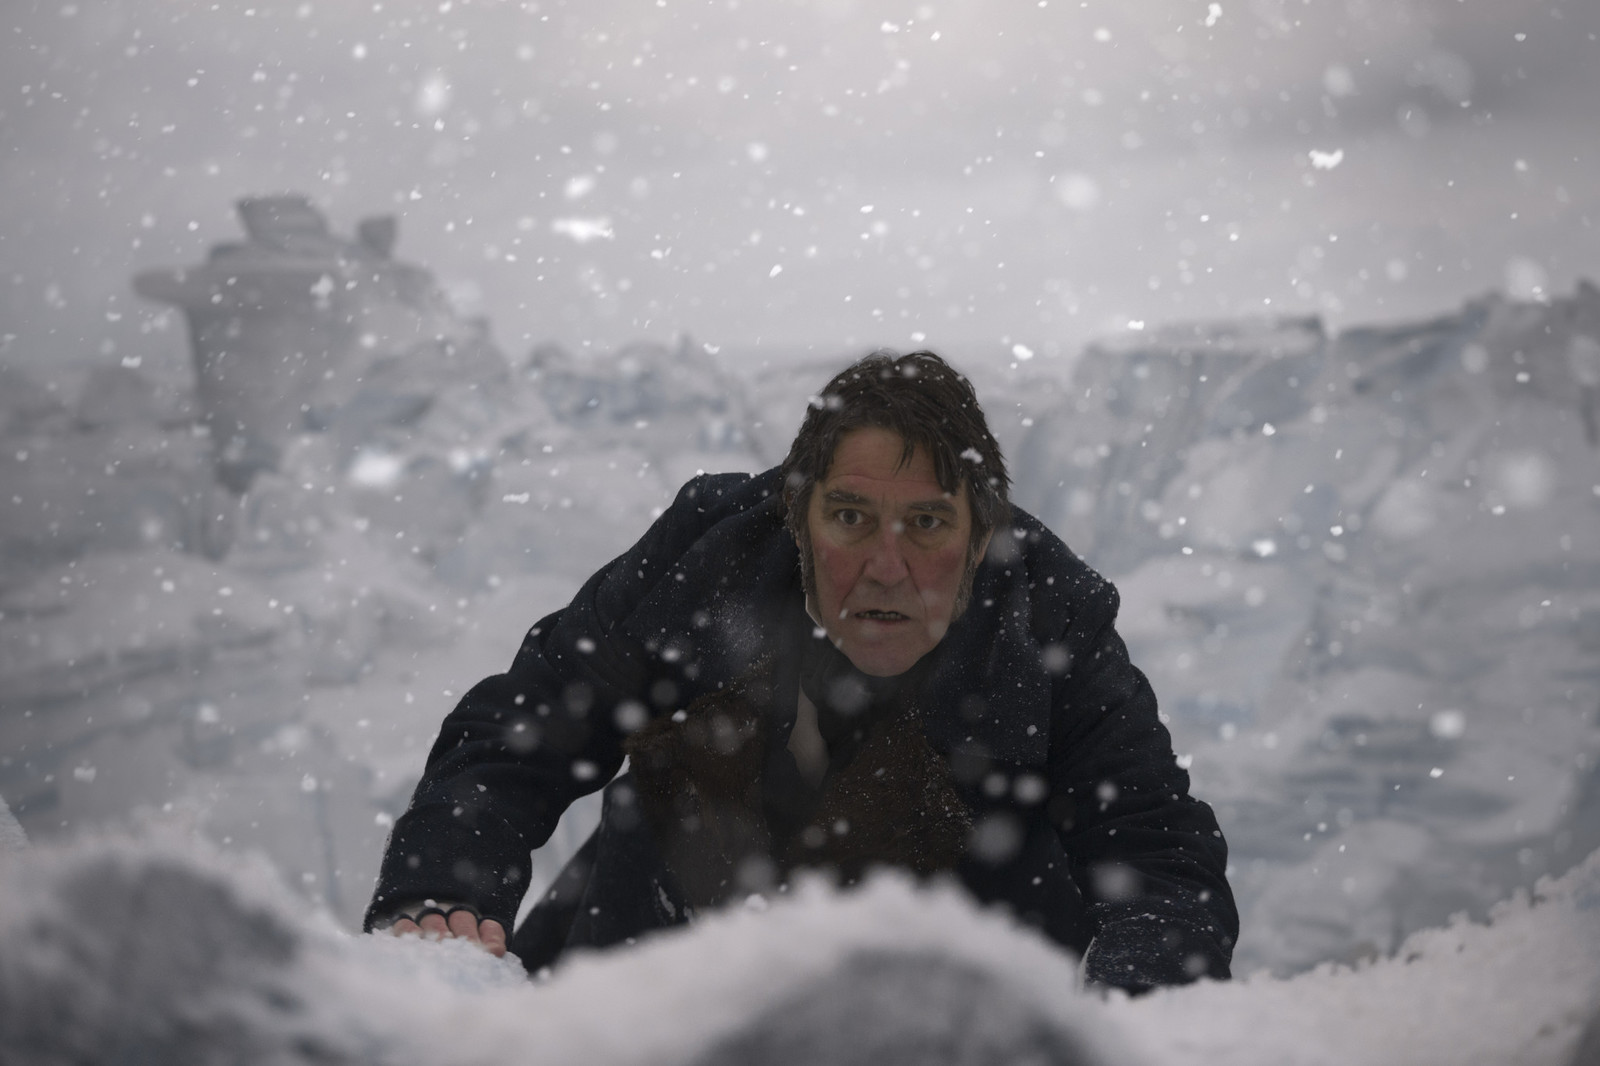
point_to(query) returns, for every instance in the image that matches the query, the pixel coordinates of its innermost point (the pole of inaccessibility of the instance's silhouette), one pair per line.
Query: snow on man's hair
(924, 401)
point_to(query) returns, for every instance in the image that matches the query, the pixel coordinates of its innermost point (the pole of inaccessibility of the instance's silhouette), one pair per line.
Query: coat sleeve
(1149, 858)
(522, 745)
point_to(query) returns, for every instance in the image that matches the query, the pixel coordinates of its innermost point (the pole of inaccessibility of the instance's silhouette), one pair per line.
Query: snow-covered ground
(1362, 570)
(164, 952)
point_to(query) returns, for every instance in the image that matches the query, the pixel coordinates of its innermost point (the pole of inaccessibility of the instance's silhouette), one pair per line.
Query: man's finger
(433, 925)
(463, 923)
(493, 936)
(404, 926)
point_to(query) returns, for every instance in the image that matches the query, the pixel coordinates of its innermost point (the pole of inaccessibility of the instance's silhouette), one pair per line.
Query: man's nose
(886, 560)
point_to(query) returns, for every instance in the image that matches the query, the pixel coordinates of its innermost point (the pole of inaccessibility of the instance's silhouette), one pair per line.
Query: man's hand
(451, 921)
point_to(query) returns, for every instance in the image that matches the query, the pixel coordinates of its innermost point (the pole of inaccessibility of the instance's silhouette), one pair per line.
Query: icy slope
(1362, 570)
(1363, 573)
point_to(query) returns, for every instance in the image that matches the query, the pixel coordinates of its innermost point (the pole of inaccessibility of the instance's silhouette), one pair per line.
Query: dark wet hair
(930, 406)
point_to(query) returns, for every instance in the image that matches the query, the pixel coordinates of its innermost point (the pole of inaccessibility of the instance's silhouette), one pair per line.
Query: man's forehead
(876, 452)
(874, 461)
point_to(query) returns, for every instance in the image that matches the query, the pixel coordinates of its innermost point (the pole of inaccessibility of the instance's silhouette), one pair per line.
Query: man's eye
(927, 522)
(848, 517)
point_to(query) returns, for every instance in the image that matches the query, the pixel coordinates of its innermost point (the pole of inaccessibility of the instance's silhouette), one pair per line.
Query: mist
(824, 176)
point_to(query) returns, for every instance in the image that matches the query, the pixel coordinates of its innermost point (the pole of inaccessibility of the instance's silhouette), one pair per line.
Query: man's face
(889, 550)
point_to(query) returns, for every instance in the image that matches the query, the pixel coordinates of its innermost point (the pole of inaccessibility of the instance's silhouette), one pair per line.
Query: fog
(824, 176)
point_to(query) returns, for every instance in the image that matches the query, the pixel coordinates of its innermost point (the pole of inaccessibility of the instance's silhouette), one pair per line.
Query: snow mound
(151, 957)
(882, 1008)
(154, 951)
(163, 951)
(236, 971)
(1519, 989)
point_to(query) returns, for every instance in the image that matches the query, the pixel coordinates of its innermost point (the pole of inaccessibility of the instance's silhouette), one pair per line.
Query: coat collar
(720, 609)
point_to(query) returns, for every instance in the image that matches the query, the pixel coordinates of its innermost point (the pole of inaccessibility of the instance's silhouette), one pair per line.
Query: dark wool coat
(1080, 818)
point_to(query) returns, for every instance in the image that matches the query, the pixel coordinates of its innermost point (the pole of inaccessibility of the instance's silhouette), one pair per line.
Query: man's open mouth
(881, 616)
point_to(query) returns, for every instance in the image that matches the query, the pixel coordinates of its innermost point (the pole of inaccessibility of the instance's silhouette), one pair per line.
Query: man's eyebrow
(940, 505)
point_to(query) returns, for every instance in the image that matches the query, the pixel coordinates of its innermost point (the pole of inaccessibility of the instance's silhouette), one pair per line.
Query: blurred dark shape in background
(297, 327)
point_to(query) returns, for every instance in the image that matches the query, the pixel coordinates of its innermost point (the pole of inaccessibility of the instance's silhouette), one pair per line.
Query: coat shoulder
(705, 503)
(1063, 590)
(708, 499)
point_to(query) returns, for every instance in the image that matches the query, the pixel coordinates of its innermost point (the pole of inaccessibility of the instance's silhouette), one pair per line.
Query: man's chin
(880, 654)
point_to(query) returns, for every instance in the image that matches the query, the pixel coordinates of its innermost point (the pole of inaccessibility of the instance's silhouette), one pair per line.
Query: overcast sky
(826, 175)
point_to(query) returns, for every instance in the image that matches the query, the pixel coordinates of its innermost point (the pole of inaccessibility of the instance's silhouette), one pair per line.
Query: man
(864, 657)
